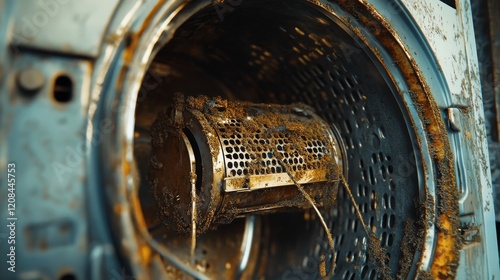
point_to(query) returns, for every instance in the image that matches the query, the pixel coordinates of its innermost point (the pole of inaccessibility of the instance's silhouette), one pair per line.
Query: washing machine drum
(262, 104)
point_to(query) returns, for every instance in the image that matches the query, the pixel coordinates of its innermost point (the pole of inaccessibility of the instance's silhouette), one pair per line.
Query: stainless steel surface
(246, 246)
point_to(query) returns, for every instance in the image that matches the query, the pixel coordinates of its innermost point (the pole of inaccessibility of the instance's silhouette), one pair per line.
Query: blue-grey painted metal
(68, 27)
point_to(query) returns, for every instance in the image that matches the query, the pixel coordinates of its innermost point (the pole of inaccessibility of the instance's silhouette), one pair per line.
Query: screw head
(30, 80)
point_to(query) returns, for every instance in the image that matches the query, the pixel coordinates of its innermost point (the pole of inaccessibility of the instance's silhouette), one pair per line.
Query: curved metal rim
(440, 252)
(154, 32)
(416, 129)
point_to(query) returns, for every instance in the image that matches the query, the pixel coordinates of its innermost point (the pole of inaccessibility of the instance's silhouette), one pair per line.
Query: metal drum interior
(285, 52)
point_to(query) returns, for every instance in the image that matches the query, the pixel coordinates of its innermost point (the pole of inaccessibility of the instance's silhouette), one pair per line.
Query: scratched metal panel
(450, 35)
(45, 139)
(65, 26)
(443, 30)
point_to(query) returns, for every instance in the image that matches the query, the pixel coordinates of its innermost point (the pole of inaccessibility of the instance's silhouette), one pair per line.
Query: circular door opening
(281, 53)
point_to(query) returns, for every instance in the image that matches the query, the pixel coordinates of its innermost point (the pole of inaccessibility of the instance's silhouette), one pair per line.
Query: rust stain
(134, 38)
(446, 259)
(145, 251)
(118, 208)
(119, 82)
(126, 168)
(445, 245)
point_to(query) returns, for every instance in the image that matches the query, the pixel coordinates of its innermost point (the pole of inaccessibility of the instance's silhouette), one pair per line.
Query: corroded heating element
(241, 158)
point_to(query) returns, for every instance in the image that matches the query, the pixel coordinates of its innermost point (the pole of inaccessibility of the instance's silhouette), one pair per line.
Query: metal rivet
(30, 80)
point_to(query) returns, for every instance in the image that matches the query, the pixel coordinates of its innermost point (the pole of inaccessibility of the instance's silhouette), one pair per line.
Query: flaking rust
(240, 150)
(446, 257)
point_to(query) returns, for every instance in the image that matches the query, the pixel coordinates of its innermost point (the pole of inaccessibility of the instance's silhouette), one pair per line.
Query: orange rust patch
(144, 249)
(127, 56)
(146, 253)
(126, 168)
(118, 209)
(444, 255)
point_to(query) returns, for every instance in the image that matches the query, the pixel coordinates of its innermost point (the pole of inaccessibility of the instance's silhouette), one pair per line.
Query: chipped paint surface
(443, 31)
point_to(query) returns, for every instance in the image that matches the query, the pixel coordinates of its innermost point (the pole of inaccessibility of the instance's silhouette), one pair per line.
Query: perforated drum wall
(289, 56)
